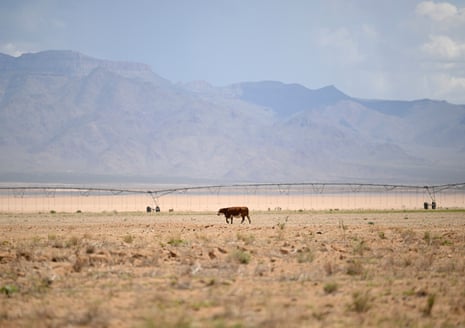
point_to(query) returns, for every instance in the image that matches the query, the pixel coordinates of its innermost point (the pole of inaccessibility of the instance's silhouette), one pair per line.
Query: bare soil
(286, 269)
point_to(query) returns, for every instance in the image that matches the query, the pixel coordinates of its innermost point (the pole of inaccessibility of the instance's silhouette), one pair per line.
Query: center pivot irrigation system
(305, 188)
(310, 195)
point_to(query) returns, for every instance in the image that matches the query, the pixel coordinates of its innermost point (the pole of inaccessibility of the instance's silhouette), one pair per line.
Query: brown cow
(230, 212)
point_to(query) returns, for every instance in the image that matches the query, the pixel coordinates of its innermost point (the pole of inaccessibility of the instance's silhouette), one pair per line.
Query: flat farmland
(286, 269)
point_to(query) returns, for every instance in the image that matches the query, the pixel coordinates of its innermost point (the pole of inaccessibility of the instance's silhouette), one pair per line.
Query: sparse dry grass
(193, 270)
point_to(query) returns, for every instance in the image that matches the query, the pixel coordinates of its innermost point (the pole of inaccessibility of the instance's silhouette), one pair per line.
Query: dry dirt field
(286, 269)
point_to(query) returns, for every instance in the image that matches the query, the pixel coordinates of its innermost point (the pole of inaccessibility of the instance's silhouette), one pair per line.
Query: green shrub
(330, 287)
(9, 290)
(176, 241)
(241, 256)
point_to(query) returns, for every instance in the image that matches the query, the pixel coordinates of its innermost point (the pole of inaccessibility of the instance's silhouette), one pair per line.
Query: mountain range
(65, 115)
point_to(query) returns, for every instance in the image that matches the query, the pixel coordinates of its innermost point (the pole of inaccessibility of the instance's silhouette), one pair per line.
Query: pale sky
(385, 49)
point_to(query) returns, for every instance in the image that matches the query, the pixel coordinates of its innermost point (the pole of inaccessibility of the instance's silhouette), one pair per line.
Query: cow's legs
(248, 217)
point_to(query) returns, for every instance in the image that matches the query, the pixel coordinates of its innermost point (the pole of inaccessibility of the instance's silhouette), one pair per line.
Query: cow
(230, 212)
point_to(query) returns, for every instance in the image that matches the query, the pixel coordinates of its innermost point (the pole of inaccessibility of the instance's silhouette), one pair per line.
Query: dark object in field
(150, 209)
(230, 212)
(426, 205)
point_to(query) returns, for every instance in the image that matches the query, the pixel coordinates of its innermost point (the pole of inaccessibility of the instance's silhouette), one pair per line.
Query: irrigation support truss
(316, 187)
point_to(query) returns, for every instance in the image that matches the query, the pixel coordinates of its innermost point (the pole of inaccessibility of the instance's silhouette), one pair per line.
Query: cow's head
(221, 211)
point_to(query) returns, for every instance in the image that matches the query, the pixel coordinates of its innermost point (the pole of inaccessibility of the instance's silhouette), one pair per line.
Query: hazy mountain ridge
(287, 99)
(73, 64)
(62, 111)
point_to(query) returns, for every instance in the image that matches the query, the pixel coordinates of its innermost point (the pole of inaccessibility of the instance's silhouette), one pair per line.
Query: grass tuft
(305, 255)
(361, 302)
(330, 287)
(429, 304)
(128, 239)
(354, 268)
(247, 239)
(176, 241)
(9, 290)
(243, 257)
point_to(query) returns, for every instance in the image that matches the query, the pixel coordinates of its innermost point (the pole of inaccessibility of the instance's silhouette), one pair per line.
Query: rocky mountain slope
(62, 112)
